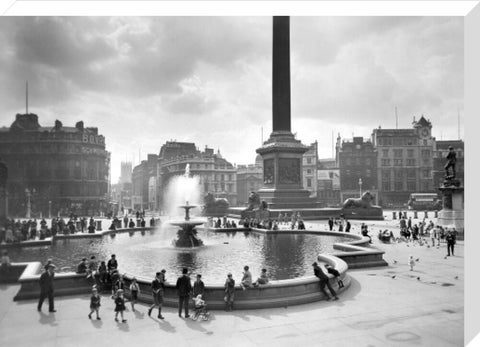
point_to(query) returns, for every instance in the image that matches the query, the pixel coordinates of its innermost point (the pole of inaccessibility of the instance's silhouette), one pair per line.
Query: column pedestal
(452, 214)
(282, 173)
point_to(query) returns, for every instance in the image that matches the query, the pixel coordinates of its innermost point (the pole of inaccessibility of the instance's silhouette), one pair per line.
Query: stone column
(281, 74)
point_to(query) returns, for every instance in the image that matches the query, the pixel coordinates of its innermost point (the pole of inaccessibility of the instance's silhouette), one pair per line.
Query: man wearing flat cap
(46, 288)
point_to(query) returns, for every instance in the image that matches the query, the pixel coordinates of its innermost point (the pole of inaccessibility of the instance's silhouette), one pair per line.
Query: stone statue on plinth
(453, 200)
(256, 208)
(450, 179)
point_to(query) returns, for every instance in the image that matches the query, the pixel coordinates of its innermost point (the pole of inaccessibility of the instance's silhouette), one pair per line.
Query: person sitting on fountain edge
(82, 266)
(246, 279)
(335, 273)
(324, 281)
(263, 279)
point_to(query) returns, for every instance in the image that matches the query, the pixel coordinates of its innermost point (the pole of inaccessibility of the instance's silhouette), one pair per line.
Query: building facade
(143, 198)
(328, 182)
(309, 169)
(358, 168)
(151, 177)
(249, 179)
(54, 170)
(405, 162)
(216, 175)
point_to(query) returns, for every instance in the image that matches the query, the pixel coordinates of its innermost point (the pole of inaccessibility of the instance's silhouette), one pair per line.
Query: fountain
(187, 234)
(181, 190)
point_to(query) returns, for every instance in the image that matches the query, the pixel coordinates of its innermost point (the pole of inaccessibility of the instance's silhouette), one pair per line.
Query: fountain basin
(282, 293)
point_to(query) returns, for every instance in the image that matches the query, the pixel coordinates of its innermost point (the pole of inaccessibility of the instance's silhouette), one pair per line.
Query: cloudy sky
(146, 80)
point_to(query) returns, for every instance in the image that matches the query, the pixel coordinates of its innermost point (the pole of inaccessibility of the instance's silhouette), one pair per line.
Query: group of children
(118, 298)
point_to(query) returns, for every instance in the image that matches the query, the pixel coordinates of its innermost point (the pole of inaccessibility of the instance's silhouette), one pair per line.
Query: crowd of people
(13, 231)
(18, 231)
(294, 222)
(339, 224)
(106, 277)
(422, 231)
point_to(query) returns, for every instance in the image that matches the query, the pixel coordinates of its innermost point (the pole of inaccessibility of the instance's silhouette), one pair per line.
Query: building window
(426, 173)
(309, 182)
(398, 186)
(398, 175)
(411, 174)
(410, 153)
(411, 186)
(425, 142)
(309, 171)
(368, 173)
(410, 162)
(398, 153)
(426, 161)
(386, 186)
(397, 162)
(385, 152)
(426, 186)
(368, 161)
(426, 153)
(386, 175)
(309, 160)
(385, 162)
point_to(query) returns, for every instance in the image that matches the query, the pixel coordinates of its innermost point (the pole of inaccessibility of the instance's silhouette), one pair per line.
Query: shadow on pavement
(47, 319)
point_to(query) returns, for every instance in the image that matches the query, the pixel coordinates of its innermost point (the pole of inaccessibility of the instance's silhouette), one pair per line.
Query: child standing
(229, 292)
(94, 303)
(411, 262)
(134, 290)
(119, 305)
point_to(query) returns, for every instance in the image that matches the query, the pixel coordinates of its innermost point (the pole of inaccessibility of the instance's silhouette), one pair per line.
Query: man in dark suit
(324, 281)
(46, 288)
(184, 288)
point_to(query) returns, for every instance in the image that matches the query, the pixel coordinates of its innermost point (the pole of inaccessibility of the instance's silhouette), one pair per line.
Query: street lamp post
(50, 209)
(29, 205)
(360, 185)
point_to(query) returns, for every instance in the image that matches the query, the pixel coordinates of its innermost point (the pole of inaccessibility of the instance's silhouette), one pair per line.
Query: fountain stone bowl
(187, 234)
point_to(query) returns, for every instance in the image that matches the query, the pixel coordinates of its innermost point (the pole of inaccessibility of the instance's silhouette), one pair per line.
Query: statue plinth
(452, 214)
(282, 172)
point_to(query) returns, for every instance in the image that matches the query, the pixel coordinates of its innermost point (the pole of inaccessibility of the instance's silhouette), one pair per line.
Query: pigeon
(418, 278)
(408, 245)
(394, 261)
(418, 259)
(456, 277)
(445, 257)
(394, 276)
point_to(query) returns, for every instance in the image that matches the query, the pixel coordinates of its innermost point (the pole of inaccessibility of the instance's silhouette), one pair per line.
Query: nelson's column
(282, 153)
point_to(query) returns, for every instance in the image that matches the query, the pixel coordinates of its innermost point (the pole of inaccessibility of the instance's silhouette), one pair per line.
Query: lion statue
(364, 202)
(253, 201)
(214, 206)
